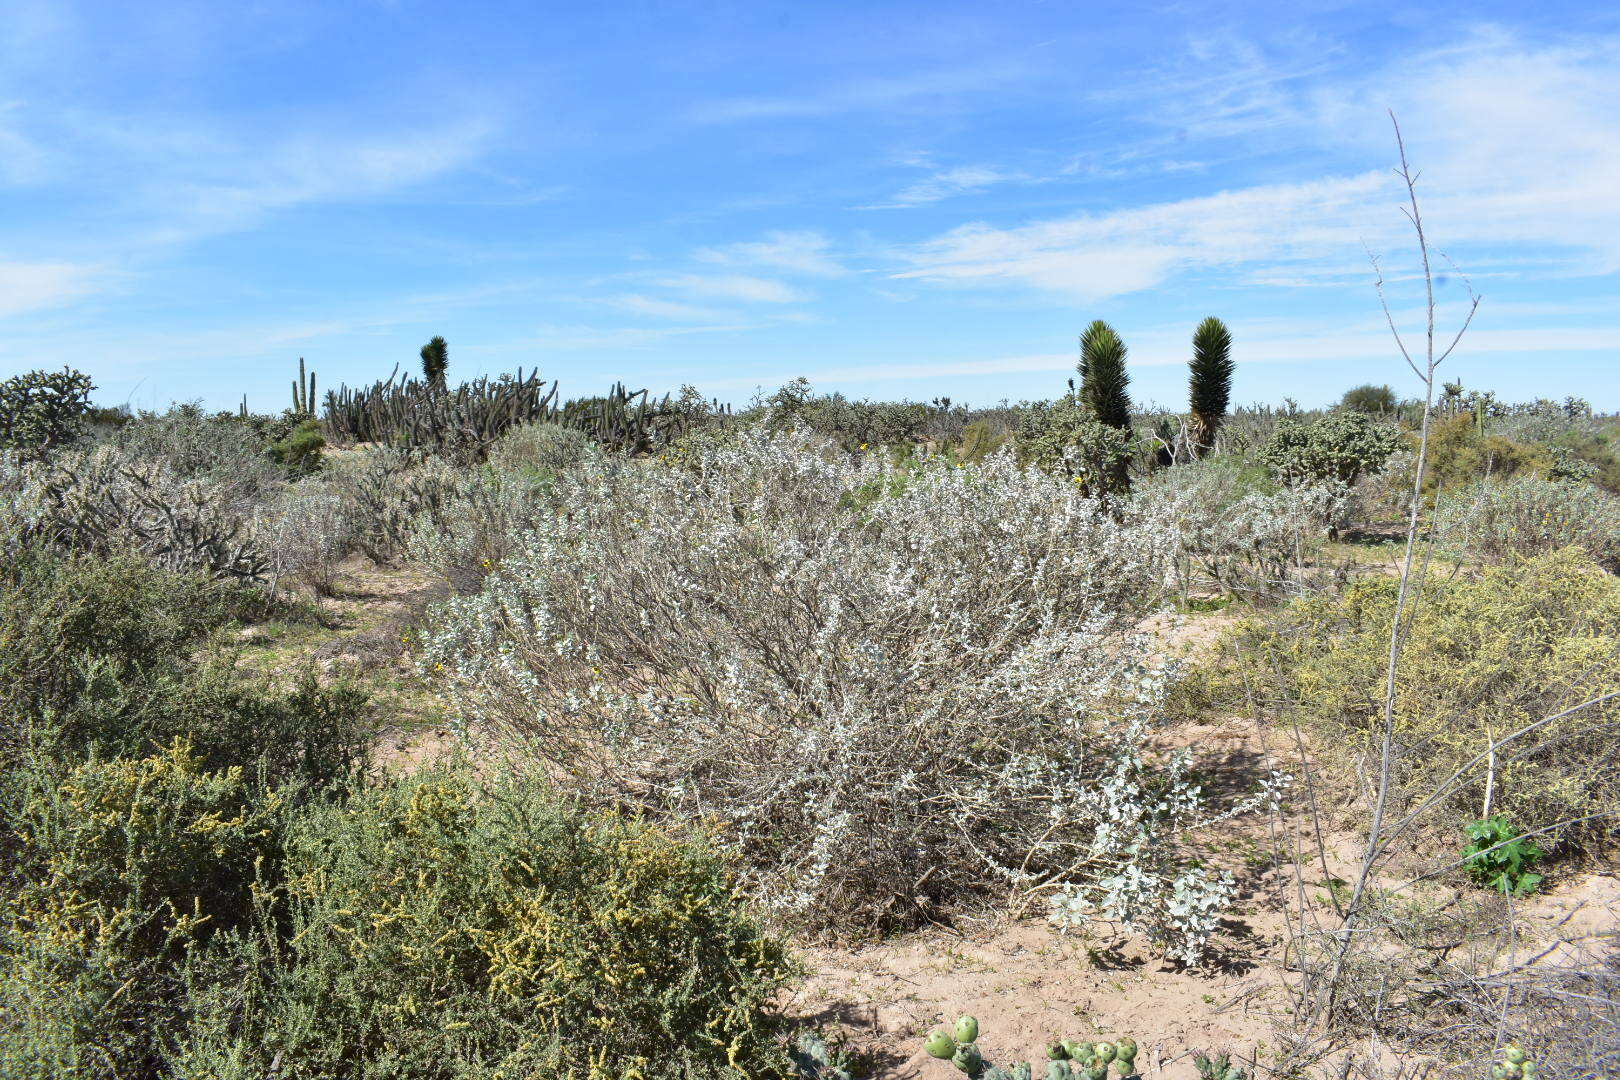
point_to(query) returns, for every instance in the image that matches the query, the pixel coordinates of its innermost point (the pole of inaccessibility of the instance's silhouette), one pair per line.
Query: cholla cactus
(1219, 1067)
(815, 1060)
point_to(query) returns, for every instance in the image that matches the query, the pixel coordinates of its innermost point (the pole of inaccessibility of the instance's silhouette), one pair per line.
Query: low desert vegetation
(727, 683)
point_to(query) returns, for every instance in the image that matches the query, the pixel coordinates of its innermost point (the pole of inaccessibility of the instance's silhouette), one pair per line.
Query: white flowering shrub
(1236, 532)
(886, 690)
(1527, 515)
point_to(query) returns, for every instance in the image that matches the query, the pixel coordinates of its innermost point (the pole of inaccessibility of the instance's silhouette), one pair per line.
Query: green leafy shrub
(1338, 446)
(41, 410)
(979, 441)
(1369, 398)
(1483, 657)
(1065, 438)
(300, 452)
(1462, 452)
(440, 928)
(105, 656)
(1500, 857)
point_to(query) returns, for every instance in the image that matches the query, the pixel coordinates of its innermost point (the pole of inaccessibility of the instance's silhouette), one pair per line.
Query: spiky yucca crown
(1209, 386)
(435, 361)
(1104, 384)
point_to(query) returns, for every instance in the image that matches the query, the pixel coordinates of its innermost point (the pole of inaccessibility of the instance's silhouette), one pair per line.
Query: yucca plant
(1104, 383)
(1104, 387)
(1209, 383)
(435, 362)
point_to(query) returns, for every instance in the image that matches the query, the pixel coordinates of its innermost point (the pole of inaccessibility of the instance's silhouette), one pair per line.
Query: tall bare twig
(1431, 358)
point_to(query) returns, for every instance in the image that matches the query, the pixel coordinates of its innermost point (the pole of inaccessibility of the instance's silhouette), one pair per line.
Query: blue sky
(892, 199)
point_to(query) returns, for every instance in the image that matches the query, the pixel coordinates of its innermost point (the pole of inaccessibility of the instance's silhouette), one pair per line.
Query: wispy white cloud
(920, 90)
(1519, 149)
(232, 187)
(1102, 255)
(34, 286)
(736, 287)
(666, 309)
(947, 183)
(795, 252)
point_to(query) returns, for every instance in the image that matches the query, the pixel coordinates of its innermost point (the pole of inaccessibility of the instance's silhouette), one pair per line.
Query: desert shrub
(42, 410)
(1063, 437)
(545, 448)
(1483, 657)
(851, 424)
(104, 657)
(300, 451)
(882, 703)
(222, 450)
(1462, 452)
(440, 928)
(1337, 446)
(979, 441)
(117, 869)
(305, 534)
(481, 519)
(1371, 399)
(1235, 530)
(383, 491)
(1501, 519)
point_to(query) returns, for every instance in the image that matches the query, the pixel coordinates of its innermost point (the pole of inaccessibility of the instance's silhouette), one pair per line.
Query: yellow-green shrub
(114, 873)
(439, 927)
(1485, 655)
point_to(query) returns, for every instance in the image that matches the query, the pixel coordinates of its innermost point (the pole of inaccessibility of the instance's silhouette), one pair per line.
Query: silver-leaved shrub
(887, 689)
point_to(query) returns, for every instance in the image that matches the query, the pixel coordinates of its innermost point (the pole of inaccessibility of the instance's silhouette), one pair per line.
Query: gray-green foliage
(41, 410)
(384, 490)
(546, 448)
(1339, 445)
(106, 501)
